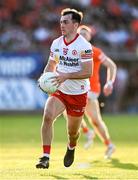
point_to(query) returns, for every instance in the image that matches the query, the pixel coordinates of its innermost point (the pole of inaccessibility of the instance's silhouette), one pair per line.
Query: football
(45, 82)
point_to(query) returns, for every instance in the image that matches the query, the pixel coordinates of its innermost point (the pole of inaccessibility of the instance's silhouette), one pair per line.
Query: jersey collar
(68, 43)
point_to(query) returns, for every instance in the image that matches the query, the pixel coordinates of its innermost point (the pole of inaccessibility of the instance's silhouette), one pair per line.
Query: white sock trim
(71, 148)
(47, 155)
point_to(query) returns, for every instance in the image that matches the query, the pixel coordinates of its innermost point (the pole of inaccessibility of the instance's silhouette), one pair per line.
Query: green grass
(20, 147)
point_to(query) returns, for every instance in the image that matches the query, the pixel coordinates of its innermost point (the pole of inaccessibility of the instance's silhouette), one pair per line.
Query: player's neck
(70, 37)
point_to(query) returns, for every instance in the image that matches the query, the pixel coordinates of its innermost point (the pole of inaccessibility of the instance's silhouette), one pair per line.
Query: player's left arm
(84, 73)
(111, 75)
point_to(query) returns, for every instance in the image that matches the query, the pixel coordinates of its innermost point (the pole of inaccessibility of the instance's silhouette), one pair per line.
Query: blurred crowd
(32, 24)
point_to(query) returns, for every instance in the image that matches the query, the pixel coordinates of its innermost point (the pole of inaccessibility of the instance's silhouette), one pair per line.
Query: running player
(92, 108)
(71, 57)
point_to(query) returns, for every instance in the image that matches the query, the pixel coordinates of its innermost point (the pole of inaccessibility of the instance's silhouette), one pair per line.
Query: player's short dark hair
(76, 15)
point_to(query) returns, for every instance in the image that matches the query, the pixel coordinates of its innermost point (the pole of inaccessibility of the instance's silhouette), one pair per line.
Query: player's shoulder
(98, 54)
(57, 40)
(83, 42)
(97, 49)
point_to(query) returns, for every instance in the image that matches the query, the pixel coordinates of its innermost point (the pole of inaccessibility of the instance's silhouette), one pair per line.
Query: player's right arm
(52, 63)
(111, 69)
(51, 66)
(111, 74)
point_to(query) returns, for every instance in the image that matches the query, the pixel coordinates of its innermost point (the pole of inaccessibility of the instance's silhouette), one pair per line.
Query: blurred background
(27, 28)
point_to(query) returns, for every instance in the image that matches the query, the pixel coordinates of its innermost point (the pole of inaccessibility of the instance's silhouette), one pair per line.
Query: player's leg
(53, 108)
(93, 111)
(89, 134)
(75, 107)
(84, 126)
(73, 124)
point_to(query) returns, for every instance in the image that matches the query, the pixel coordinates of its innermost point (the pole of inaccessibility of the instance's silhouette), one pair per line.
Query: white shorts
(93, 95)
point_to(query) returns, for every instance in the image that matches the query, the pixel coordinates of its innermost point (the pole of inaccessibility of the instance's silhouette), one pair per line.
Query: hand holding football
(47, 82)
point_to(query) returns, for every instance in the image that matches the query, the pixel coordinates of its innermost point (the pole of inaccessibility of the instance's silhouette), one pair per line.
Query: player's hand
(55, 81)
(61, 77)
(108, 88)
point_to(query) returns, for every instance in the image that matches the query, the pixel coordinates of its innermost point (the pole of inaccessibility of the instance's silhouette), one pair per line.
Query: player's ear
(76, 25)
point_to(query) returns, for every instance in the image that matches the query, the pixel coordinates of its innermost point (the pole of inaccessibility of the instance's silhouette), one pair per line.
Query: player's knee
(48, 118)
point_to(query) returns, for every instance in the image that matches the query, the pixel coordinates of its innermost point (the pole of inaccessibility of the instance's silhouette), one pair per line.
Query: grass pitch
(20, 147)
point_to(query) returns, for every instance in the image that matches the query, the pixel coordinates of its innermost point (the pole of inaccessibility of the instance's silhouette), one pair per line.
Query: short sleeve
(54, 52)
(51, 56)
(86, 53)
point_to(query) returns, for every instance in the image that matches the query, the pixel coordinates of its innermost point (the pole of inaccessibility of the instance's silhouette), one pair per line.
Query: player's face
(67, 25)
(86, 34)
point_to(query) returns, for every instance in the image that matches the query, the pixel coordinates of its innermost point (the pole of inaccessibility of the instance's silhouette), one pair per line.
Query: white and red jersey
(69, 57)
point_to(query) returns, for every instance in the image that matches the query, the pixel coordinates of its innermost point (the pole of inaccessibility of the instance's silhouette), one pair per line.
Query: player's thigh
(83, 123)
(92, 108)
(73, 123)
(53, 107)
(65, 114)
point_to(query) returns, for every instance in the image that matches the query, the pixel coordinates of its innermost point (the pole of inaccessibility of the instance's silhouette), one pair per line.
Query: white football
(46, 84)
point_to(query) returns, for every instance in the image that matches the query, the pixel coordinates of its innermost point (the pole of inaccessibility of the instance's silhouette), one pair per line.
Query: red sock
(85, 129)
(72, 146)
(46, 149)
